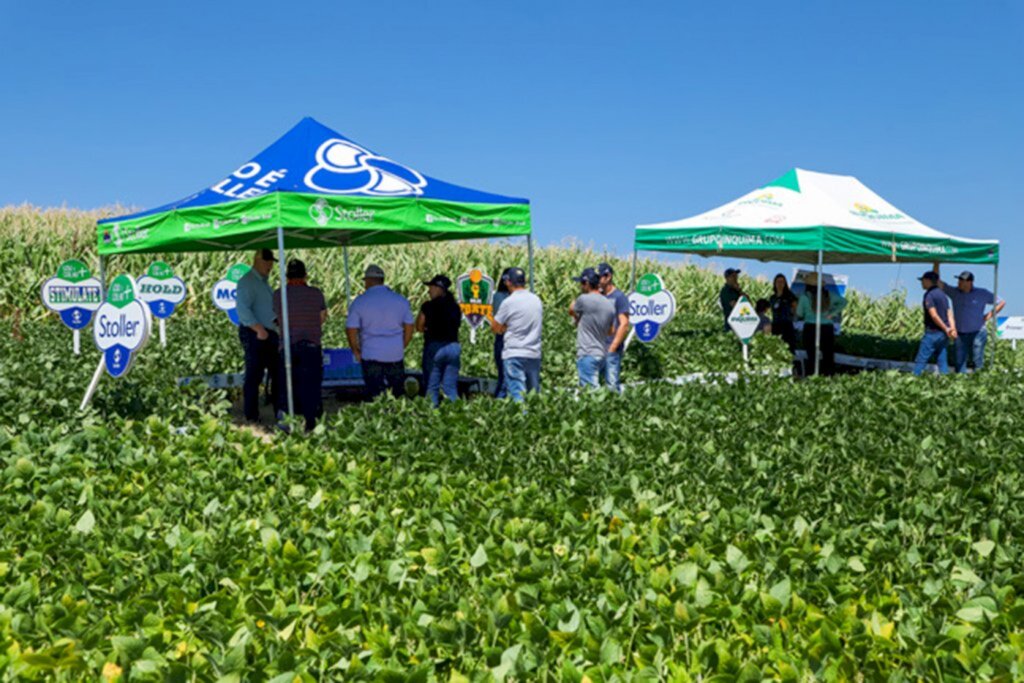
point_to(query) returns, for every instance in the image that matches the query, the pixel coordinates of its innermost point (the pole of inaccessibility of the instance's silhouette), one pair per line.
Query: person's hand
(951, 332)
(357, 356)
(261, 333)
(613, 348)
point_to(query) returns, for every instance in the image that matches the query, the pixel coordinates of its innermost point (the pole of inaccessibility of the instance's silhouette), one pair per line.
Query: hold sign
(122, 326)
(74, 294)
(744, 320)
(225, 292)
(475, 292)
(651, 306)
(161, 290)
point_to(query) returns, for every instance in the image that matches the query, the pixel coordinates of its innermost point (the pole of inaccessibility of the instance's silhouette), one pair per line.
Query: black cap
(514, 276)
(590, 276)
(267, 255)
(732, 271)
(605, 269)
(930, 275)
(296, 270)
(439, 281)
(966, 275)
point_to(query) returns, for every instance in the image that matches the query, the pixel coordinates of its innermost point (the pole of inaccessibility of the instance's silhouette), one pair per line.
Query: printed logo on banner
(651, 307)
(475, 291)
(862, 210)
(122, 326)
(225, 291)
(764, 199)
(73, 294)
(343, 167)
(323, 213)
(161, 289)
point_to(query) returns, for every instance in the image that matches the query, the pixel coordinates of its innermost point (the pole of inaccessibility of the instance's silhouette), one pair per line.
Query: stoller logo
(122, 326)
(323, 213)
(161, 289)
(343, 167)
(73, 294)
(225, 291)
(651, 307)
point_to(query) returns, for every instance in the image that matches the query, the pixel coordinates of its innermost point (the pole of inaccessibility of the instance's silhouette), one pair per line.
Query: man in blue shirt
(257, 330)
(939, 324)
(969, 304)
(379, 327)
(613, 362)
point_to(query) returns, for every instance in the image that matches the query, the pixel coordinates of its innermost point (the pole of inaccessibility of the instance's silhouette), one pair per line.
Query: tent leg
(529, 258)
(817, 328)
(995, 302)
(632, 273)
(285, 334)
(348, 285)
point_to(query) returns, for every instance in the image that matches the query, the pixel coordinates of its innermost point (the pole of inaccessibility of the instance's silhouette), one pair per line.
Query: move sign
(651, 306)
(225, 292)
(74, 294)
(122, 326)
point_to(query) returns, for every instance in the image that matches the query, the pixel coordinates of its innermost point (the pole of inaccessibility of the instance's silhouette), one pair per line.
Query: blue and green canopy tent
(315, 188)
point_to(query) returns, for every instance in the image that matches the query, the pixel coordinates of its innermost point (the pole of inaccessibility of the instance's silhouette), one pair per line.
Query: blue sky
(604, 114)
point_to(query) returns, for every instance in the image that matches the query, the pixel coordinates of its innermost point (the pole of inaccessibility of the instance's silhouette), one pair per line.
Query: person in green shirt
(832, 304)
(730, 294)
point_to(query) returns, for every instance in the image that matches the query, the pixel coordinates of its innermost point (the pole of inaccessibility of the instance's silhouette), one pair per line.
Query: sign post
(744, 322)
(74, 294)
(475, 292)
(162, 291)
(225, 291)
(651, 307)
(1010, 327)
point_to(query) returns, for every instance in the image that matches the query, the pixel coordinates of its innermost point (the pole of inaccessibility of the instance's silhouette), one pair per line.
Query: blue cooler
(340, 364)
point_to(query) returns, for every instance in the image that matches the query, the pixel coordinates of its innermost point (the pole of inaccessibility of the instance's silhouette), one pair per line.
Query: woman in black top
(439, 321)
(783, 303)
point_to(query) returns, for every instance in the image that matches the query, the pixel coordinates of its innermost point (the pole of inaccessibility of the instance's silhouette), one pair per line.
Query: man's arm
(937, 319)
(246, 317)
(620, 334)
(497, 327)
(353, 343)
(407, 330)
(1000, 305)
(421, 323)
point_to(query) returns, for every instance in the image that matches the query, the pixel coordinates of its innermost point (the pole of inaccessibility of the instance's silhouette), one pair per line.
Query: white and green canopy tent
(315, 188)
(813, 218)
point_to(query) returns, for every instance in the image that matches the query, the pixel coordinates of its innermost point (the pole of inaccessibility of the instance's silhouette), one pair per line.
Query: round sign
(73, 294)
(161, 290)
(651, 306)
(122, 326)
(225, 291)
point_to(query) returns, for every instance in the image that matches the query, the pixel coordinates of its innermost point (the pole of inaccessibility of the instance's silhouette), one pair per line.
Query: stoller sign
(74, 294)
(162, 291)
(476, 294)
(651, 306)
(122, 326)
(225, 292)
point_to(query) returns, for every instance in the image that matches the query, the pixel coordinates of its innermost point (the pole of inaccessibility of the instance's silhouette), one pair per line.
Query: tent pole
(529, 258)
(348, 285)
(285, 334)
(632, 272)
(817, 327)
(995, 304)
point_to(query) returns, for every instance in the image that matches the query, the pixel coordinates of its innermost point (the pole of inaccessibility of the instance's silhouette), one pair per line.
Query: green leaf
(735, 558)
(85, 523)
(978, 610)
(479, 558)
(984, 548)
(782, 591)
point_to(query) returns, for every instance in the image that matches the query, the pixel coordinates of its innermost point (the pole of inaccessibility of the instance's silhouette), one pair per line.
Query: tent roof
(325, 190)
(802, 212)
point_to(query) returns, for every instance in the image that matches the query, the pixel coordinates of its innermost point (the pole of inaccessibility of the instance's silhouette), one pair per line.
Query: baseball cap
(966, 275)
(374, 271)
(439, 281)
(590, 276)
(930, 275)
(514, 276)
(296, 269)
(732, 271)
(605, 269)
(266, 255)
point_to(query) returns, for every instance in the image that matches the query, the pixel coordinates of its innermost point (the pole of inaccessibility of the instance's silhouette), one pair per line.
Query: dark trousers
(785, 329)
(261, 360)
(828, 349)
(379, 376)
(499, 347)
(307, 380)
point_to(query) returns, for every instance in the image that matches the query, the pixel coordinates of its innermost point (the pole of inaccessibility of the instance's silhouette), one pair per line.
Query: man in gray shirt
(257, 330)
(595, 316)
(520, 319)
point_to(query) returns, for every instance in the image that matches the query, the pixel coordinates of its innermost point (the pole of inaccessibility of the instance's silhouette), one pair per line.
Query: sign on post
(122, 326)
(1010, 327)
(744, 322)
(225, 292)
(74, 294)
(475, 292)
(162, 291)
(651, 306)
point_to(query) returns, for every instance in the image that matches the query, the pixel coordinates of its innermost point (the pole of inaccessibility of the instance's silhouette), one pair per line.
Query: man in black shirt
(439, 321)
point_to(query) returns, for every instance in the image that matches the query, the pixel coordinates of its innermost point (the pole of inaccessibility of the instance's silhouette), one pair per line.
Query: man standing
(257, 330)
(969, 304)
(939, 324)
(307, 311)
(730, 294)
(379, 327)
(439, 321)
(594, 315)
(520, 319)
(620, 302)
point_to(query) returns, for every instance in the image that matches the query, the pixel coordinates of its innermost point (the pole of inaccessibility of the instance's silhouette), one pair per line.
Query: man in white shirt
(520, 319)
(379, 327)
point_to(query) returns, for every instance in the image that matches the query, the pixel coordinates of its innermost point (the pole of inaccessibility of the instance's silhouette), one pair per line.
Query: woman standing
(499, 339)
(783, 303)
(439, 321)
(832, 304)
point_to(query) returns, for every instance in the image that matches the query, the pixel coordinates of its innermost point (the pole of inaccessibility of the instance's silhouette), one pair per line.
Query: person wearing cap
(939, 325)
(594, 315)
(730, 293)
(307, 311)
(438, 321)
(500, 390)
(969, 303)
(257, 332)
(832, 304)
(620, 302)
(379, 328)
(520, 319)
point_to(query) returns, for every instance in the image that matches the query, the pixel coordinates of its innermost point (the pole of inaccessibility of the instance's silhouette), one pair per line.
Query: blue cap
(930, 275)
(590, 276)
(514, 276)
(605, 269)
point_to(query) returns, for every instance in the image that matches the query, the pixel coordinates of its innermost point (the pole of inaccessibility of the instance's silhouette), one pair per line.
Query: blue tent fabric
(314, 159)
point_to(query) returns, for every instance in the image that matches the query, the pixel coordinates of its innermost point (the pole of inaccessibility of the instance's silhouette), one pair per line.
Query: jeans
(499, 345)
(444, 371)
(379, 376)
(970, 345)
(828, 348)
(261, 359)
(612, 370)
(590, 369)
(307, 380)
(933, 342)
(522, 375)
